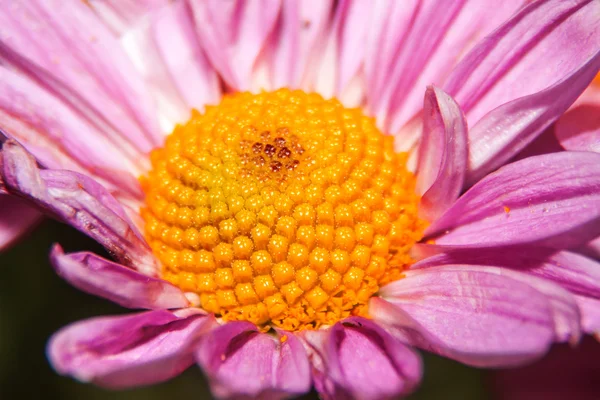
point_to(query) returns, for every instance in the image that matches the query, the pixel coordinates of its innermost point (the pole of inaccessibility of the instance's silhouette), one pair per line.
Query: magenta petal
(442, 153)
(590, 314)
(552, 200)
(16, 218)
(579, 128)
(78, 201)
(479, 318)
(242, 362)
(117, 283)
(358, 359)
(127, 351)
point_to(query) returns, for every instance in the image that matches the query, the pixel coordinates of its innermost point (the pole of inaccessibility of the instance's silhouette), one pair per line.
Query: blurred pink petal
(16, 219)
(579, 128)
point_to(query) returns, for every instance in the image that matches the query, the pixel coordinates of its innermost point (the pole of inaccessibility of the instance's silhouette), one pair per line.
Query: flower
(496, 282)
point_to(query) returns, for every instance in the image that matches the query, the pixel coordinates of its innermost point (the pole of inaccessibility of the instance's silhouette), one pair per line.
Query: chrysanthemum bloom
(273, 235)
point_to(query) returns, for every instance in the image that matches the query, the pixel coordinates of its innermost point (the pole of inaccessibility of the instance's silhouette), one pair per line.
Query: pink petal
(296, 41)
(60, 138)
(531, 53)
(507, 130)
(590, 314)
(115, 282)
(576, 273)
(69, 51)
(579, 128)
(128, 351)
(563, 304)
(473, 22)
(442, 154)
(478, 318)
(552, 199)
(242, 362)
(591, 249)
(179, 77)
(358, 359)
(120, 15)
(233, 34)
(16, 219)
(78, 201)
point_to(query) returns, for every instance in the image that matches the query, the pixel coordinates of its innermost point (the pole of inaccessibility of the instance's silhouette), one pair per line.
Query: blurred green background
(35, 302)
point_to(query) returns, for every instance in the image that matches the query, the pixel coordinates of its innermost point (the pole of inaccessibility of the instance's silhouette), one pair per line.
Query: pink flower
(88, 90)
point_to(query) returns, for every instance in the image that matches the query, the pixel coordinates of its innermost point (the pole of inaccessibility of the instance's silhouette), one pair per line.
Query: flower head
(280, 237)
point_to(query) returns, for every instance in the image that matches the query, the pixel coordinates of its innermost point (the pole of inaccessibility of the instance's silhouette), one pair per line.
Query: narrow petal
(472, 22)
(530, 66)
(69, 51)
(442, 154)
(16, 218)
(505, 131)
(358, 359)
(120, 15)
(61, 139)
(529, 53)
(242, 362)
(78, 201)
(552, 199)
(234, 34)
(296, 42)
(478, 318)
(579, 128)
(115, 282)
(179, 77)
(128, 351)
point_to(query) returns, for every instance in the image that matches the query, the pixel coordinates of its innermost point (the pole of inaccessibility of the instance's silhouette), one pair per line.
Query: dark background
(35, 302)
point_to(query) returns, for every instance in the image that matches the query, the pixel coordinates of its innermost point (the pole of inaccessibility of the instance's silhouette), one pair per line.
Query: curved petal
(579, 128)
(233, 34)
(70, 52)
(478, 318)
(242, 362)
(442, 154)
(120, 15)
(78, 201)
(531, 65)
(508, 129)
(16, 219)
(115, 282)
(552, 200)
(127, 351)
(590, 314)
(545, 42)
(358, 359)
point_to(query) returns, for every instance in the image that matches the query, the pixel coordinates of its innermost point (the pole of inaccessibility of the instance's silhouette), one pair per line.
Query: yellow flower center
(281, 208)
